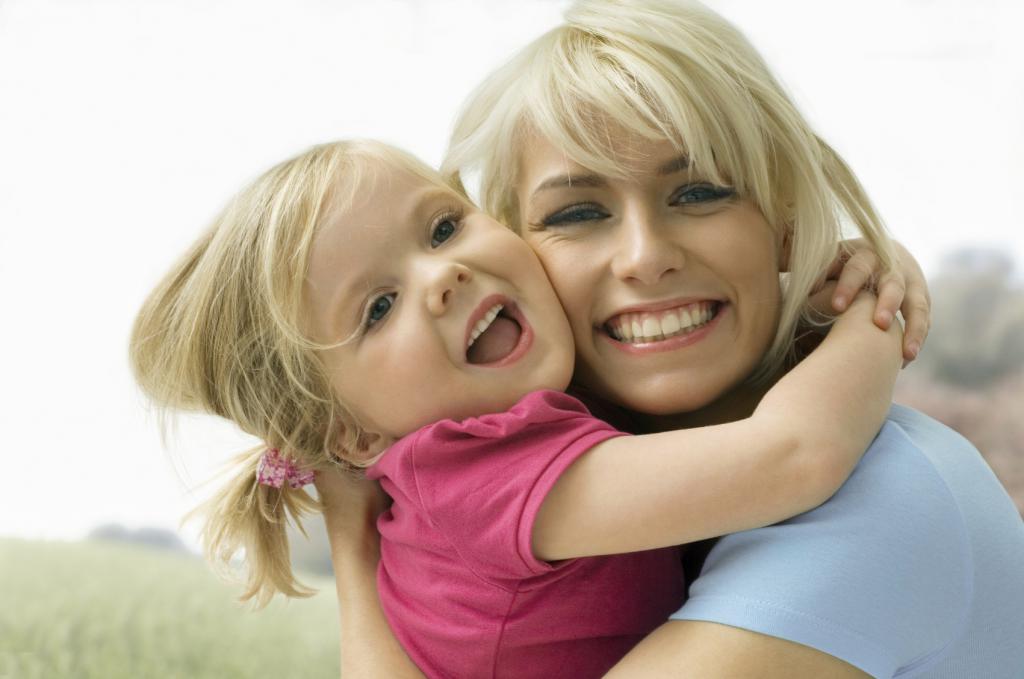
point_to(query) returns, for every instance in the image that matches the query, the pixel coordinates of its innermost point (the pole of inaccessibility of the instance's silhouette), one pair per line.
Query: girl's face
(670, 283)
(449, 312)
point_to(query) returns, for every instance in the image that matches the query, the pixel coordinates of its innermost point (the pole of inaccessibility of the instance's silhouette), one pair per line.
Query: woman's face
(670, 283)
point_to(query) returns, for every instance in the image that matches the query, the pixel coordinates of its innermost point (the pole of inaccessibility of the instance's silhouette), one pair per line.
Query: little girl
(350, 308)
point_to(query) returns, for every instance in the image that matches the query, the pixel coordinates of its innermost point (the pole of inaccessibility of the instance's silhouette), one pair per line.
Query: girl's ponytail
(225, 333)
(249, 516)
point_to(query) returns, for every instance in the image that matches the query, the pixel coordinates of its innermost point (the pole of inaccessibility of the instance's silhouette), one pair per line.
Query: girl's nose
(644, 254)
(445, 280)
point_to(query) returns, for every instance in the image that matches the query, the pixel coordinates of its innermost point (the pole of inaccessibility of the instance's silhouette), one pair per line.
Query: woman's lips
(637, 340)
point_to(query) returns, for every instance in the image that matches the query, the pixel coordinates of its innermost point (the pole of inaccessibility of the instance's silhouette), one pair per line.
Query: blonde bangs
(667, 70)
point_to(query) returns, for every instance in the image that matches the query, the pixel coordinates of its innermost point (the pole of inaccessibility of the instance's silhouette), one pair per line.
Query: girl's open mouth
(500, 335)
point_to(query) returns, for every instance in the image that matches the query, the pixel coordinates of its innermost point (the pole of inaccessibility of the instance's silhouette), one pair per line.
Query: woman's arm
(688, 648)
(804, 439)
(368, 647)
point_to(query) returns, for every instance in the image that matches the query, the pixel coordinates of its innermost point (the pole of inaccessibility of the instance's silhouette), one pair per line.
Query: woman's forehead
(544, 163)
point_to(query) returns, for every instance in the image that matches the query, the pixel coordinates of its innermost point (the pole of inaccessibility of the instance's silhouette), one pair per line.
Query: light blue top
(915, 568)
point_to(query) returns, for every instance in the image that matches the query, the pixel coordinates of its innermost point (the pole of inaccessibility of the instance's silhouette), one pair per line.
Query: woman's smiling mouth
(663, 329)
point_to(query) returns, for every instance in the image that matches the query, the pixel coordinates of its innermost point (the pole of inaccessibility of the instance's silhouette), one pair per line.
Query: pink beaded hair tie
(274, 469)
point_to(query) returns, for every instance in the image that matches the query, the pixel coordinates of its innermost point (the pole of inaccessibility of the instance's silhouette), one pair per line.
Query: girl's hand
(903, 289)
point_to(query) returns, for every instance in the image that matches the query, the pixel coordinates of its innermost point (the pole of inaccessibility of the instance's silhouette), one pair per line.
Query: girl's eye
(700, 193)
(443, 230)
(379, 308)
(575, 214)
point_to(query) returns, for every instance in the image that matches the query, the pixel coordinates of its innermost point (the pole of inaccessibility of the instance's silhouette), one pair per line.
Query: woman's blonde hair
(675, 70)
(223, 333)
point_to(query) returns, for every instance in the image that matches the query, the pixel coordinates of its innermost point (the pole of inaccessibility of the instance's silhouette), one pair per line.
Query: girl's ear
(367, 447)
(370, 445)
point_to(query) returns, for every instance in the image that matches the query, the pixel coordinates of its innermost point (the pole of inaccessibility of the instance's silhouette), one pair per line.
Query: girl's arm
(368, 647)
(633, 493)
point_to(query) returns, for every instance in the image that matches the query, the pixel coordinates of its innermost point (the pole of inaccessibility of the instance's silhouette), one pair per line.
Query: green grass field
(94, 610)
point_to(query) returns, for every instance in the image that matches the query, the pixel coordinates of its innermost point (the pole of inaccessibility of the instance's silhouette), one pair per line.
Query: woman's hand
(351, 505)
(903, 289)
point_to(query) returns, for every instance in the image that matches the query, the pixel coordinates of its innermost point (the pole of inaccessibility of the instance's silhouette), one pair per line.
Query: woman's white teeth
(650, 327)
(485, 322)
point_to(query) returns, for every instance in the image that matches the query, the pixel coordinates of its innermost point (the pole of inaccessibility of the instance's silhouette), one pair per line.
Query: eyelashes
(378, 309)
(445, 225)
(575, 214)
(694, 194)
(689, 195)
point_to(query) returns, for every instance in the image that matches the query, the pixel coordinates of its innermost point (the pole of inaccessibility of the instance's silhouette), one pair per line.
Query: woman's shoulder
(887, 573)
(879, 574)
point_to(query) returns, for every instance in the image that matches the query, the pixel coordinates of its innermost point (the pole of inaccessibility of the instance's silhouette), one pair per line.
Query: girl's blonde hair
(223, 333)
(675, 70)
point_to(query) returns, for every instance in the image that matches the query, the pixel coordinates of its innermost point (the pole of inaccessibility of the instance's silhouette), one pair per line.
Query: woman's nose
(644, 252)
(445, 279)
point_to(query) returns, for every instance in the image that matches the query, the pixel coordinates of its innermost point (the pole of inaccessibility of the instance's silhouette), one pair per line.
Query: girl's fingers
(916, 306)
(821, 301)
(891, 292)
(917, 310)
(856, 274)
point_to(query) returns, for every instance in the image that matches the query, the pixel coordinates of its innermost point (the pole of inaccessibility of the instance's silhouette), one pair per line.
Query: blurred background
(126, 124)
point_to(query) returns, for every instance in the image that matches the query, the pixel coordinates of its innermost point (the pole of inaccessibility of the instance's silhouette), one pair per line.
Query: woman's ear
(785, 247)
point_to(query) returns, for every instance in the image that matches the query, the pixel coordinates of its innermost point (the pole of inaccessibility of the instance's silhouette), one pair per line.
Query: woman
(635, 148)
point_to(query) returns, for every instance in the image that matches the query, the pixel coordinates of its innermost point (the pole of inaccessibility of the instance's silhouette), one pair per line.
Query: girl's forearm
(837, 398)
(794, 452)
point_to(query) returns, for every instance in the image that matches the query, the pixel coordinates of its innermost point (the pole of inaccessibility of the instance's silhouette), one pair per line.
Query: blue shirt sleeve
(880, 576)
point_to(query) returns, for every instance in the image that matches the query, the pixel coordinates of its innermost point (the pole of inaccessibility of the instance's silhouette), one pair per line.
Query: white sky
(126, 124)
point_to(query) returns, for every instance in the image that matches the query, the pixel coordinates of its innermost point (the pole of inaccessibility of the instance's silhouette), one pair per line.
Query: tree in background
(970, 375)
(977, 337)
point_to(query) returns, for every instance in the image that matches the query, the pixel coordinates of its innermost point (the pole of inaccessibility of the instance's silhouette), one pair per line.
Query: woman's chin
(663, 395)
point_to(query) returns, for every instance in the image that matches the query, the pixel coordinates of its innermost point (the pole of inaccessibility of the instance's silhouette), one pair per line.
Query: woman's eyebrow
(677, 164)
(566, 180)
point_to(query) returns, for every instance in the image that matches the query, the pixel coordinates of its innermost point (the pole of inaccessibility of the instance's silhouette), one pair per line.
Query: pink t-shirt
(458, 580)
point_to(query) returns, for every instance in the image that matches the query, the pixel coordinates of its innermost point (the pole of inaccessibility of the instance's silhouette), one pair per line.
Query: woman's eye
(575, 214)
(379, 308)
(700, 193)
(442, 231)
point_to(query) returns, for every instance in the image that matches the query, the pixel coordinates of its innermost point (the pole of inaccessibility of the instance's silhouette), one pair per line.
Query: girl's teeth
(484, 323)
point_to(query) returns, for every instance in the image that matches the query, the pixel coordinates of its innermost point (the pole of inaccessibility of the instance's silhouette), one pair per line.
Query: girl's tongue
(496, 342)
